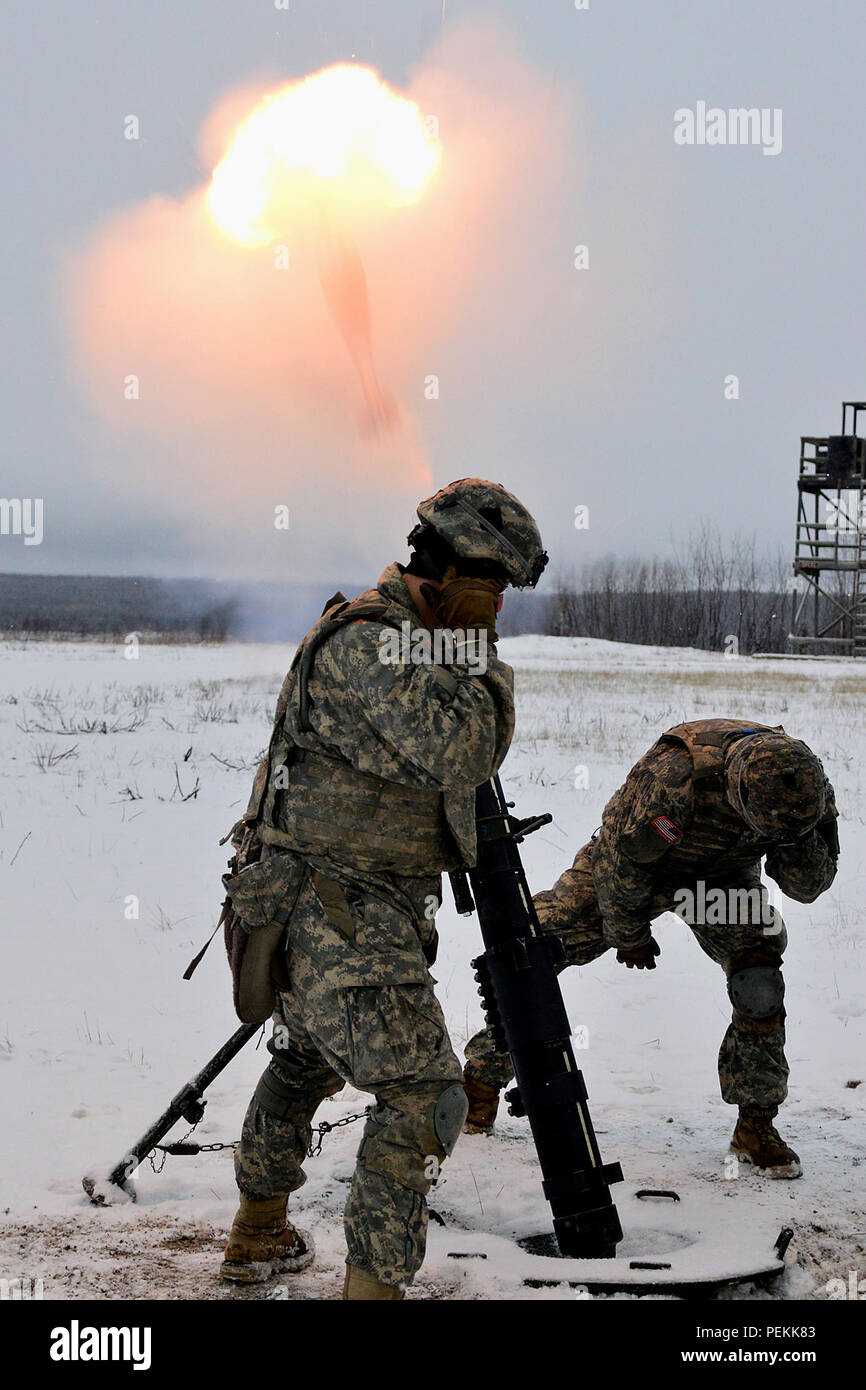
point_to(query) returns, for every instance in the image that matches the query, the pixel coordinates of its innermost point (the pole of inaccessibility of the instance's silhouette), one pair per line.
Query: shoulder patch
(665, 827)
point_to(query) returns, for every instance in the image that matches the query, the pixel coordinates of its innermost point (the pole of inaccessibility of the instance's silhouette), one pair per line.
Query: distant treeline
(706, 596)
(709, 594)
(179, 610)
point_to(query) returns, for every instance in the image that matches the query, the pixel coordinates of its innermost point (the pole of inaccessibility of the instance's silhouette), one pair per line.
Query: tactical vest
(322, 805)
(708, 742)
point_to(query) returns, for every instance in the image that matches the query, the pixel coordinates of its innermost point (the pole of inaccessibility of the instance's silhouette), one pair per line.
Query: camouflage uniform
(371, 788)
(672, 830)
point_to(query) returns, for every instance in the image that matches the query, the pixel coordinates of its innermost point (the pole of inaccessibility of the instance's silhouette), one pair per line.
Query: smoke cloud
(222, 383)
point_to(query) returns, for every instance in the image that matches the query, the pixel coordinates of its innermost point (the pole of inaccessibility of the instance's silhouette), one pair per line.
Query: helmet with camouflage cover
(482, 522)
(777, 784)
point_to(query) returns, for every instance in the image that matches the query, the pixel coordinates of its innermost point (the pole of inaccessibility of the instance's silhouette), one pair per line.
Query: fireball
(339, 142)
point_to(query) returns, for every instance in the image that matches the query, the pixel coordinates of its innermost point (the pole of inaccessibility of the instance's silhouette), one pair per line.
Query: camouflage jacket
(637, 872)
(423, 726)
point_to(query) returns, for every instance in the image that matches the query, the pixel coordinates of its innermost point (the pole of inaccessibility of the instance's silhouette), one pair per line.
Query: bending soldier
(367, 796)
(687, 833)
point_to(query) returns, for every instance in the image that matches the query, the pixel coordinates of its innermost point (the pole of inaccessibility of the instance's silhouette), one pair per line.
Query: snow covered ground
(118, 779)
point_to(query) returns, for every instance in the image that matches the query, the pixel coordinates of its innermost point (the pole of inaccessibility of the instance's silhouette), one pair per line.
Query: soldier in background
(687, 833)
(367, 795)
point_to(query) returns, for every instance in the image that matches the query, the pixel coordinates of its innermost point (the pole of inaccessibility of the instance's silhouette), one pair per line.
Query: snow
(98, 1030)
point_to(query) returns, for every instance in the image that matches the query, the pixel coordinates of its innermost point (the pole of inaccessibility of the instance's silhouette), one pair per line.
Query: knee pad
(756, 991)
(288, 1085)
(408, 1135)
(274, 1094)
(449, 1116)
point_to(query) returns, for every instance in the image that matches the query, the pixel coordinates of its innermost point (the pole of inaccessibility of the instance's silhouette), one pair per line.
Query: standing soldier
(687, 833)
(366, 796)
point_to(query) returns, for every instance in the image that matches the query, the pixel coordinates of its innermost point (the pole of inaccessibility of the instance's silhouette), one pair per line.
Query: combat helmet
(481, 521)
(777, 785)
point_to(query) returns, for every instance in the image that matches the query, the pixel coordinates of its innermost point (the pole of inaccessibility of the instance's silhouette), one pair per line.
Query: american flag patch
(666, 828)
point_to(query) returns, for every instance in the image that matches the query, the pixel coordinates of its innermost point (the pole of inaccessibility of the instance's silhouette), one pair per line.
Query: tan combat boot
(757, 1141)
(483, 1105)
(361, 1284)
(262, 1242)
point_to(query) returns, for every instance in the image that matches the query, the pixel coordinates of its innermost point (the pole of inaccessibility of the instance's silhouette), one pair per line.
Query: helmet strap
(492, 530)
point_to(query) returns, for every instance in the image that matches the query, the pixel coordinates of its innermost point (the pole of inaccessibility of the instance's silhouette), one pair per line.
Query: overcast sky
(703, 262)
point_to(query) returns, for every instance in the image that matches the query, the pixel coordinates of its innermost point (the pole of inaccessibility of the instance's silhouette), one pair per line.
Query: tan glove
(467, 603)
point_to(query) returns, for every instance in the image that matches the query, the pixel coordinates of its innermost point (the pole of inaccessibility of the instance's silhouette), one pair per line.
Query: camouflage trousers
(360, 1008)
(753, 1070)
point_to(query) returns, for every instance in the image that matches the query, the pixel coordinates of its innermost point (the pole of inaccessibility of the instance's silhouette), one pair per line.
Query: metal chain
(165, 1150)
(324, 1128)
(180, 1146)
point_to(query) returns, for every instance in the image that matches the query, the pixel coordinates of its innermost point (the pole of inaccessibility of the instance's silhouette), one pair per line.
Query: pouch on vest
(260, 900)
